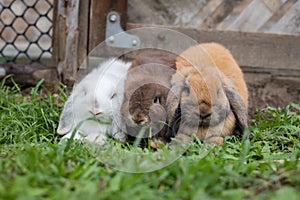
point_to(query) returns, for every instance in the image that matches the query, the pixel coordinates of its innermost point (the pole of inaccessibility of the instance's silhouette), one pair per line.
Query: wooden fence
(273, 16)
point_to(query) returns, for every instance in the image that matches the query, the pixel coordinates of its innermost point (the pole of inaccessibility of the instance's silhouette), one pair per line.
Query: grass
(35, 164)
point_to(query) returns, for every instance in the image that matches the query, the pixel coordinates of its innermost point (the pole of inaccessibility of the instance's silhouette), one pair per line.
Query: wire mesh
(26, 31)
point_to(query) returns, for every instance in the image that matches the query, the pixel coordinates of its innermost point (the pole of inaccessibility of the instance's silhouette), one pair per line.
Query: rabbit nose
(95, 113)
(98, 113)
(139, 119)
(205, 116)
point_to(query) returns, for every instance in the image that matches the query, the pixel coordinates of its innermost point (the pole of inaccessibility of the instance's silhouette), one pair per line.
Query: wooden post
(83, 27)
(66, 39)
(98, 13)
(79, 26)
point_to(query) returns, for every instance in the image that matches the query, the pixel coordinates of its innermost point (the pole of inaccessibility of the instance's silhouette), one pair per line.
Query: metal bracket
(115, 35)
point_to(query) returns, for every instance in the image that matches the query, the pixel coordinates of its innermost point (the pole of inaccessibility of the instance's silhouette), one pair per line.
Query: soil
(267, 90)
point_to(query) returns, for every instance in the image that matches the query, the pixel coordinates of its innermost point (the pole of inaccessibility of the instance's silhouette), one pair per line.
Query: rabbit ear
(174, 122)
(178, 83)
(118, 127)
(173, 103)
(238, 107)
(66, 118)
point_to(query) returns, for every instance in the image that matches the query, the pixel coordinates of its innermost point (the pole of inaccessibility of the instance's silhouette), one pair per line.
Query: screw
(113, 18)
(111, 39)
(161, 37)
(134, 42)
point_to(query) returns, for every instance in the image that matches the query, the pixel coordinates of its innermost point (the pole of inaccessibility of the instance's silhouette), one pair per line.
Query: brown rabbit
(146, 89)
(211, 94)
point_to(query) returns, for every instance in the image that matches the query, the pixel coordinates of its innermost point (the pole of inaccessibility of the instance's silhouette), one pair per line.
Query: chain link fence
(26, 31)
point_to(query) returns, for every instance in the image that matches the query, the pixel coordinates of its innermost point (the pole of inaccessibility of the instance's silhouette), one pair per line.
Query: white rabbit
(93, 108)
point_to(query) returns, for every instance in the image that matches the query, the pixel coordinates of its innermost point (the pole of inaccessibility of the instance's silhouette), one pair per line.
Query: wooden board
(83, 27)
(237, 10)
(254, 15)
(219, 14)
(256, 50)
(65, 37)
(29, 74)
(289, 22)
(98, 13)
(277, 15)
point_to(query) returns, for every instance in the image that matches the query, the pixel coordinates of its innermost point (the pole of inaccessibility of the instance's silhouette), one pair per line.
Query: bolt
(161, 37)
(111, 39)
(113, 18)
(134, 42)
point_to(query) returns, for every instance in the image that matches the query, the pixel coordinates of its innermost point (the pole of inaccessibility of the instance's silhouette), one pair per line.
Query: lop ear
(238, 107)
(66, 118)
(173, 103)
(118, 127)
(173, 99)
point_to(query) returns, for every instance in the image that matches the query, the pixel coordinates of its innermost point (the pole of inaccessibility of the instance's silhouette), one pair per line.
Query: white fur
(100, 91)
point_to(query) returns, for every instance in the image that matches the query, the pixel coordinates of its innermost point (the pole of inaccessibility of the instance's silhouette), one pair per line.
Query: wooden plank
(273, 5)
(210, 7)
(98, 13)
(70, 62)
(277, 16)
(59, 34)
(289, 23)
(253, 17)
(83, 27)
(55, 39)
(65, 39)
(237, 10)
(29, 74)
(249, 49)
(219, 14)
(271, 71)
(206, 10)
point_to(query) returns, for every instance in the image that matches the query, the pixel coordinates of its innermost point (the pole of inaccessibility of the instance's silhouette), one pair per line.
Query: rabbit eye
(156, 100)
(113, 96)
(84, 92)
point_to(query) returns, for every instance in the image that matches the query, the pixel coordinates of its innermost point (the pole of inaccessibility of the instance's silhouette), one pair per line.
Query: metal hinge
(115, 36)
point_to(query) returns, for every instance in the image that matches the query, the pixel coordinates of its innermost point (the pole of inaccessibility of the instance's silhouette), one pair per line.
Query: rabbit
(95, 104)
(209, 94)
(146, 88)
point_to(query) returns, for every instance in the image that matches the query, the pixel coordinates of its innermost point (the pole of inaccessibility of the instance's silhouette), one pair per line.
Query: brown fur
(224, 60)
(216, 89)
(148, 81)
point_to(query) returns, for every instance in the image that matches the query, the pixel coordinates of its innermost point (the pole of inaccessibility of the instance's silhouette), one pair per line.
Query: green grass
(35, 164)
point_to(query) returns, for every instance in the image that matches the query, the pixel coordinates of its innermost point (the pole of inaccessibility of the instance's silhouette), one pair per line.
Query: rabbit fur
(98, 96)
(146, 88)
(210, 92)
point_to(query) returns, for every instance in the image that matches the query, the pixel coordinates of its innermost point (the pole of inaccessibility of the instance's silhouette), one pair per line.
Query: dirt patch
(267, 90)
